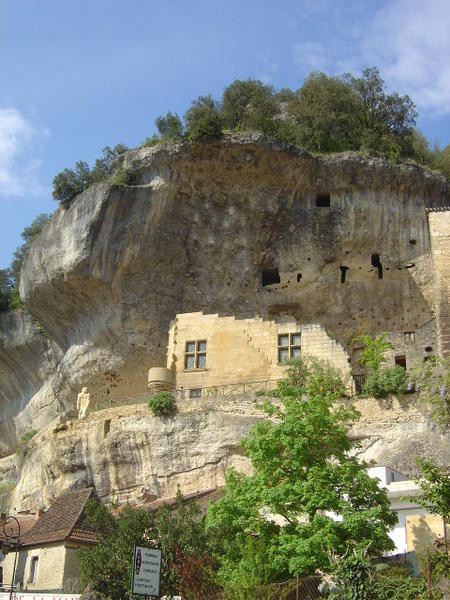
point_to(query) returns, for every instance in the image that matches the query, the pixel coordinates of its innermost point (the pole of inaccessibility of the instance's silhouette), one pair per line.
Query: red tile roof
(64, 520)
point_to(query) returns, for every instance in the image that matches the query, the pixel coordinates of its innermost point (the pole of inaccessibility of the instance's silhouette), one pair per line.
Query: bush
(431, 379)
(28, 435)
(162, 404)
(123, 177)
(386, 380)
(170, 126)
(203, 120)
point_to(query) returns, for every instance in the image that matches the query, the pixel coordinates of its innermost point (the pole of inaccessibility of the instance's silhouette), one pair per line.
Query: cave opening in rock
(299, 276)
(400, 360)
(376, 262)
(269, 277)
(344, 270)
(323, 200)
(106, 427)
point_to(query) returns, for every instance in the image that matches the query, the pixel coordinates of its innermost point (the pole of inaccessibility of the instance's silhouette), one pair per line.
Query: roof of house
(63, 521)
(26, 522)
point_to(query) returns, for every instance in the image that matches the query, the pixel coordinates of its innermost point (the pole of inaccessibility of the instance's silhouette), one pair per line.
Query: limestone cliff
(201, 230)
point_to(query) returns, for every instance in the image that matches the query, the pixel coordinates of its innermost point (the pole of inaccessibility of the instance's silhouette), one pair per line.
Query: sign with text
(146, 571)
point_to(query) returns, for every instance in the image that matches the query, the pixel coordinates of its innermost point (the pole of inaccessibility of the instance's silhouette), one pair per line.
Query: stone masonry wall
(439, 225)
(243, 350)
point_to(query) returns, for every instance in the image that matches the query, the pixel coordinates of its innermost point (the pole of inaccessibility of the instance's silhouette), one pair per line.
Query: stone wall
(245, 350)
(439, 225)
(55, 561)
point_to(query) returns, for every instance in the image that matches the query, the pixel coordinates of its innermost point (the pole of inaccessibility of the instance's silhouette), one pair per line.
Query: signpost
(146, 571)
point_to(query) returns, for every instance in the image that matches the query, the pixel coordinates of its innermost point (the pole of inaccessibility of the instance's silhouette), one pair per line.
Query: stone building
(47, 552)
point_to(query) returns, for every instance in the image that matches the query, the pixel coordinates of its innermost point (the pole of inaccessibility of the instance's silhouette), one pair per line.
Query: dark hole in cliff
(428, 349)
(269, 277)
(299, 276)
(376, 262)
(412, 242)
(343, 272)
(400, 360)
(323, 200)
(106, 427)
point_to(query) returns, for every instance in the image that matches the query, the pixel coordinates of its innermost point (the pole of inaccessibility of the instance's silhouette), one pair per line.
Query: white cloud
(410, 42)
(20, 142)
(407, 39)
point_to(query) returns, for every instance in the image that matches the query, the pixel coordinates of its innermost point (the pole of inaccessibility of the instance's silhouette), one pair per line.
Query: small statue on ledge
(83, 403)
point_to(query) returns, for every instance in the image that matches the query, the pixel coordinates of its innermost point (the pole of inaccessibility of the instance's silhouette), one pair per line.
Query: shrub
(372, 355)
(162, 404)
(203, 120)
(123, 177)
(28, 435)
(431, 379)
(386, 380)
(170, 126)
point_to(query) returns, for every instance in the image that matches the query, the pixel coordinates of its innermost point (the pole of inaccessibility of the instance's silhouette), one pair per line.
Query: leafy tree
(441, 160)
(304, 471)
(249, 105)
(71, 182)
(107, 567)
(388, 119)
(203, 120)
(372, 355)
(28, 235)
(327, 114)
(435, 486)
(170, 126)
(6, 289)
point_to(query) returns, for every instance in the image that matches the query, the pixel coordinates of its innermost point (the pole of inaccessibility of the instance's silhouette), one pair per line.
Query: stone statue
(84, 403)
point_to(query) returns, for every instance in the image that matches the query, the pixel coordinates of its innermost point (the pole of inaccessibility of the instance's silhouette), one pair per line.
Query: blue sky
(76, 76)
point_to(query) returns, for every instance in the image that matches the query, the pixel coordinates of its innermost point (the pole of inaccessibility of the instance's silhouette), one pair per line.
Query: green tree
(435, 488)
(388, 119)
(28, 235)
(372, 355)
(431, 380)
(71, 182)
(304, 470)
(104, 166)
(203, 120)
(249, 105)
(178, 531)
(441, 160)
(327, 114)
(6, 289)
(170, 126)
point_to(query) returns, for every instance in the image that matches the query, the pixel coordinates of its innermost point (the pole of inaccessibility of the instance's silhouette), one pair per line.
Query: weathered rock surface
(127, 451)
(106, 277)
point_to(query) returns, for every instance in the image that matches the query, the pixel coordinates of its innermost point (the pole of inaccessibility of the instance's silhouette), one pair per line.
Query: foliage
(435, 488)
(384, 381)
(249, 105)
(10, 278)
(326, 114)
(123, 177)
(7, 486)
(353, 575)
(396, 583)
(150, 141)
(304, 471)
(162, 404)
(170, 126)
(28, 435)
(71, 182)
(107, 567)
(372, 355)
(6, 289)
(431, 379)
(203, 120)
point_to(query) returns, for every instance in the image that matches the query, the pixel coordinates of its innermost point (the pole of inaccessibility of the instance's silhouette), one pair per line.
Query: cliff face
(204, 229)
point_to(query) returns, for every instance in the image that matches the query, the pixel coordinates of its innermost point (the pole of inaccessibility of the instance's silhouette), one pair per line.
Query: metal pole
(10, 536)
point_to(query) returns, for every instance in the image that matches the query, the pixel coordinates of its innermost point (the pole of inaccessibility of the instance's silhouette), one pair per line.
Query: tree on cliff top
(304, 472)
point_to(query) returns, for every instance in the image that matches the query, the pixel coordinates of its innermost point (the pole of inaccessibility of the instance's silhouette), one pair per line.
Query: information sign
(146, 571)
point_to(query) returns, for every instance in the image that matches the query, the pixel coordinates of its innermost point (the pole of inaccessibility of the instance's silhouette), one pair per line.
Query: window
(33, 569)
(289, 346)
(195, 393)
(409, 336)
(195, 356)
(323, 200)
